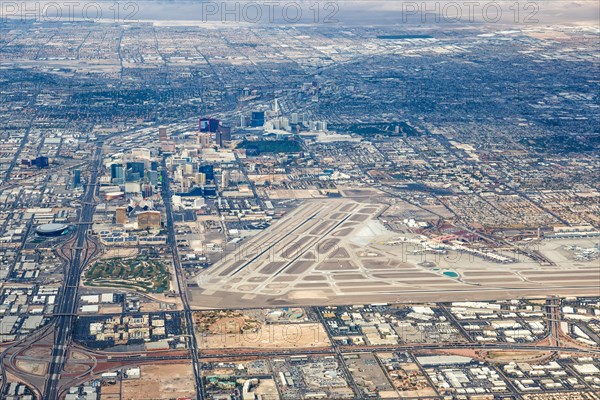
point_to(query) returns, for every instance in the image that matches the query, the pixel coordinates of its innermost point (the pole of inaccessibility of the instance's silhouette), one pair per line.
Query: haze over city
(261, 200)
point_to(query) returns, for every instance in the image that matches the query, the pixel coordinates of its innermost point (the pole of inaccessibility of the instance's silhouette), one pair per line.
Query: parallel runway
(335, 251)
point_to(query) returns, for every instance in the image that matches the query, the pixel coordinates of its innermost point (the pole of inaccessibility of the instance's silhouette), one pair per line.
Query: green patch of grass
(139, 273)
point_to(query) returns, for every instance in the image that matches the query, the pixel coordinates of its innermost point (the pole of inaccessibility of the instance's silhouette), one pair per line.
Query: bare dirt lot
(160, 382)
(280, 336)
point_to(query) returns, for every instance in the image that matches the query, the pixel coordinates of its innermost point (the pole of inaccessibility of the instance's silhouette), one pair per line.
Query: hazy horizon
(346, 12)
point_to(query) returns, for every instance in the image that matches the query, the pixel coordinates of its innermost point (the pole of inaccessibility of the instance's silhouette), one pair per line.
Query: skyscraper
(208, 124)
(76, 178)
(147, 190)
(200, 178)
(223, 135)
(153, 177)
(258, 118)
(121, 215)
(224, 178)
(204, 140)
(148, 219)
(208, 171)
(117, 174)
(40, 162)
(135, 171)
(162, 134)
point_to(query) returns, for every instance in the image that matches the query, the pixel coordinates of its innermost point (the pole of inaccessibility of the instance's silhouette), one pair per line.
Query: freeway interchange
(63, 323)
(81, 248)
(77, 252)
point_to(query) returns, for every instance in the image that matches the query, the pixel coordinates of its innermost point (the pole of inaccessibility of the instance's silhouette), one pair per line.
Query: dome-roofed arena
(51, 229)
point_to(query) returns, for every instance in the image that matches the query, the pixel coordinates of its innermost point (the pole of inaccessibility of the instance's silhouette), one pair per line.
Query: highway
(242, 353)
(64, 322)
(15, 159)
(81, 249)
(259, 352)
(251, 184)
(553, 319)
(187, 312)
(338, 352)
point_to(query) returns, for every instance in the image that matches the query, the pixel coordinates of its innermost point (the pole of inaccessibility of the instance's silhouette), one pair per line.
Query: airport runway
(336, 251)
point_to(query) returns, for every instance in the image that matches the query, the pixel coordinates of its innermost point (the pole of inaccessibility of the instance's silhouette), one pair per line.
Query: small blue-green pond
(450, 274)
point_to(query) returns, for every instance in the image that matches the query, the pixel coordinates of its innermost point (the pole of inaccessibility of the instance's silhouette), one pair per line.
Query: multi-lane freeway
(187, 312)
(81, 249)
(79, 256)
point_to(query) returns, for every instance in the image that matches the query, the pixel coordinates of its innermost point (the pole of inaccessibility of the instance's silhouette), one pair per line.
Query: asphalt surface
(64, 322)
(187, 312)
